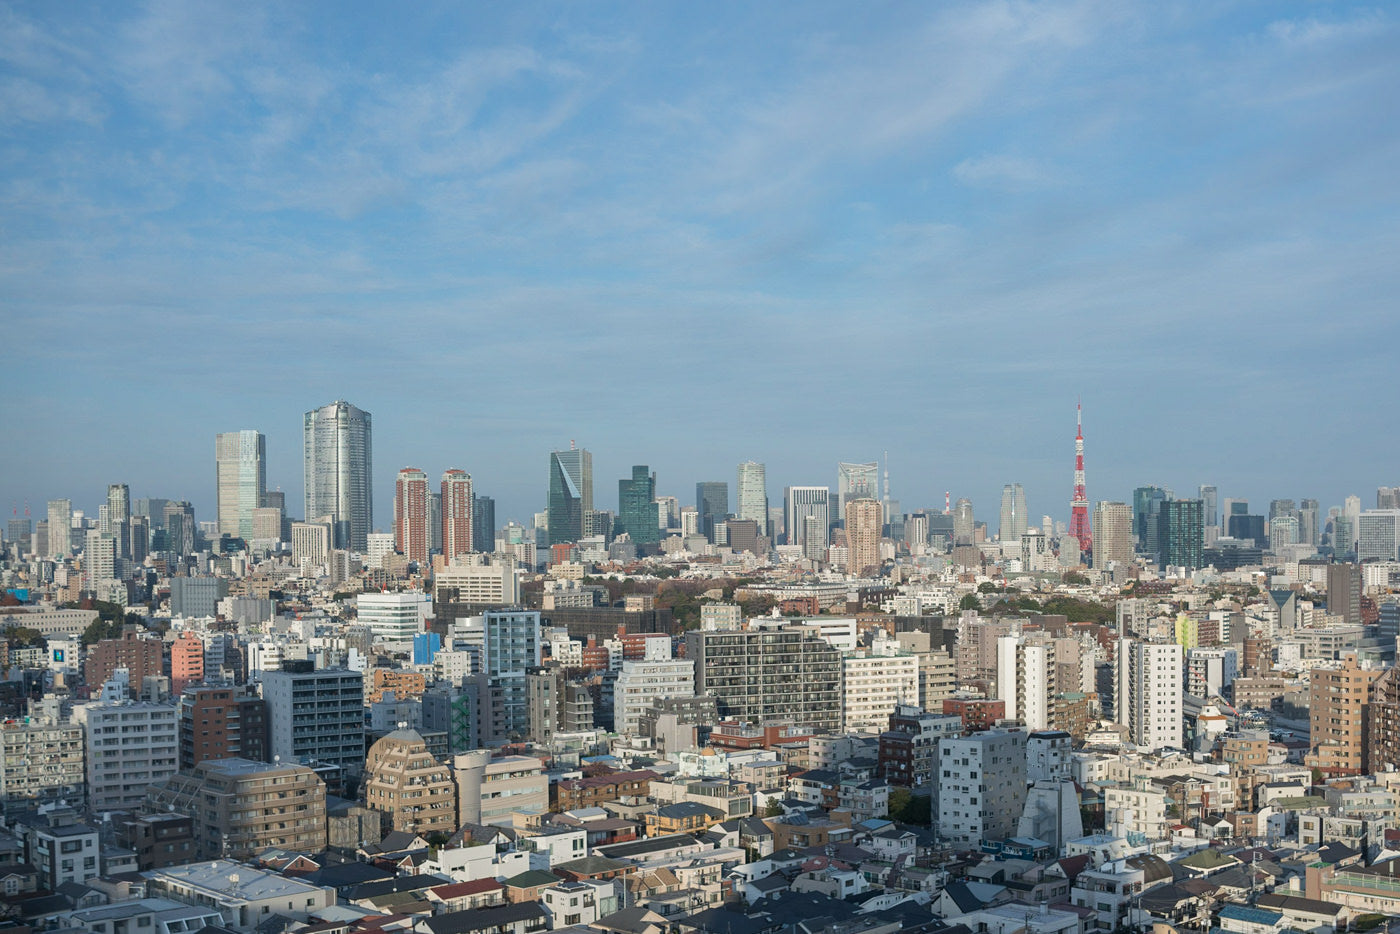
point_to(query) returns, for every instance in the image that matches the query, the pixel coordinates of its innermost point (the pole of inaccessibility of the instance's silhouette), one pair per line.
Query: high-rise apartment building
(512, 646)
(1113, 535)
(221, 723)
(129, 748)
(186, 662)
(1383, 723)
(139, 656)
(864, 521)
(770, 673)
(570, 494)
(981, 786)
(316, 715)
(337, 452)
(856, 481)
(60, 528)
(411, 514)
(411, 788)
(457, 502)
(642, 681)
(1338, 710)
(240, 464)
(875, 684)
(1013, 513)
(711, 505)
(1147, 696)
(41, 760)
(311, 543)
(637, 507)
(241, 807)
(1181, 534)
(807, 518)
(119, 517)
(99, 559)
(964, 522)
(751, 495)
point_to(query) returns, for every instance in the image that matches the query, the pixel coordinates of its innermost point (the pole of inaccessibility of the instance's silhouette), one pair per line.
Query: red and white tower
(1079, 509)
(411, 514)
(456, 513)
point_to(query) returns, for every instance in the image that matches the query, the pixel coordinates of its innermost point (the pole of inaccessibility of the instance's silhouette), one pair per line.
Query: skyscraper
(711, 505)
(751, 494)
(1013, 513)
(1210, 499)
(60, 527)
(119, 516)
(411, 514)
(807, 519)
(483, 524)
(963, 522)
(180, 530)
(1180, 534)
(864, 517)
(636, 506)
(570, 493)
(1309, 526)
(337, 451)
(457, 501)
(856, 481)
(240, 464)
(1147, 501)
(1113, 535)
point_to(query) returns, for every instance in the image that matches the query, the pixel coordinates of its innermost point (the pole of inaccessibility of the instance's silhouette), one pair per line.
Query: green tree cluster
(909, 808)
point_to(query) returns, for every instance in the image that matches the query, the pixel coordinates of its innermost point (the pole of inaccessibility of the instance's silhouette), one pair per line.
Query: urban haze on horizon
(1036, 504)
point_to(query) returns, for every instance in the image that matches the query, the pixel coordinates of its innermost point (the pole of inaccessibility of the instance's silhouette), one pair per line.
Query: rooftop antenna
(947, 502)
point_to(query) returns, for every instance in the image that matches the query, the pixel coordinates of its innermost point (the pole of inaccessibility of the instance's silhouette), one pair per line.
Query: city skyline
(986, 507)
(1019, 205)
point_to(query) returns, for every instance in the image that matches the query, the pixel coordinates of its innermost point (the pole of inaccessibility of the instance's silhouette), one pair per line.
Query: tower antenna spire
(1079, 506)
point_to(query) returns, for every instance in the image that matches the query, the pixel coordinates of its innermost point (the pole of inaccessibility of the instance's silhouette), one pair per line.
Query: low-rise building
(243, 896)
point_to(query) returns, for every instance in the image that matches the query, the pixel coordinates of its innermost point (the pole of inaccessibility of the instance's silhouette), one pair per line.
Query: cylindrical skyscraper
(337, 456)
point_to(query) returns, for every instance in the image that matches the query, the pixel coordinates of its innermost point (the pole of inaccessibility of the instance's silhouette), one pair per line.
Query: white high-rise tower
(337, 454)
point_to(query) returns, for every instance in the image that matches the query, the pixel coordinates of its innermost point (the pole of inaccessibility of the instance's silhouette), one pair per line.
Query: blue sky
(692, 234)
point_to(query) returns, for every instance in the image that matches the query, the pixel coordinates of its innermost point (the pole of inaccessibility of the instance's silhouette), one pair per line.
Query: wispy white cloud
(1007, 172)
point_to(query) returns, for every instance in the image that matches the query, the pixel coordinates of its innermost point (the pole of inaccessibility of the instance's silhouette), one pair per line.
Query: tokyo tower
(1079, 509)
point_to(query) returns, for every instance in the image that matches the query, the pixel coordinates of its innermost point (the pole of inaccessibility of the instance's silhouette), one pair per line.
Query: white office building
(394, 617)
